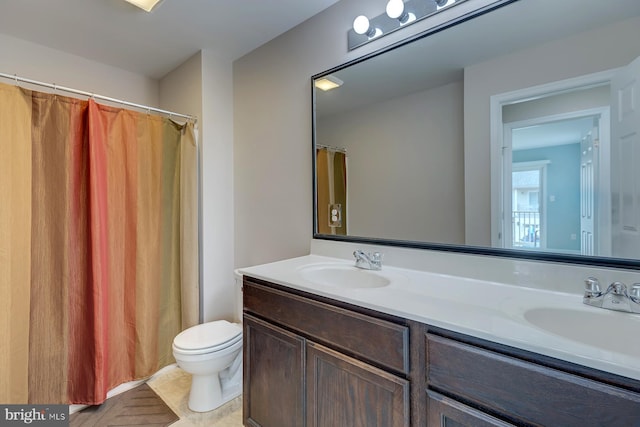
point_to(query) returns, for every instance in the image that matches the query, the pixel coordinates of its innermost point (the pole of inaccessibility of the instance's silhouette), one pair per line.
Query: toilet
(212, 353)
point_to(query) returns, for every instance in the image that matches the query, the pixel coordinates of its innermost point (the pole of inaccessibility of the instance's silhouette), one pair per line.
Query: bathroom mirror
(512, 133)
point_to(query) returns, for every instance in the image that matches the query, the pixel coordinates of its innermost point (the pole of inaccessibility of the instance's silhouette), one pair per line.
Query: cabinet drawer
(445, 412)
(378, 341)
(524, 392)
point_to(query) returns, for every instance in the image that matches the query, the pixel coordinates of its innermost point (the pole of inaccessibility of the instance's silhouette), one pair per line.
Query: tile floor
(172, 385)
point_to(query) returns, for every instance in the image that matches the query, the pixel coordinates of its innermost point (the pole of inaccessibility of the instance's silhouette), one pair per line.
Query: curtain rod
(329, 147)
(95, 96)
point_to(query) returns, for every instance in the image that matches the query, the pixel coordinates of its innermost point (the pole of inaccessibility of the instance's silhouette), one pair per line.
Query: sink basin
(609, 330)
(343, 276)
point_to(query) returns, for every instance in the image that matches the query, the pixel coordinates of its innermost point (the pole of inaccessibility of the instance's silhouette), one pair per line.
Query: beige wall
(41, 63)
(395, 149)
(272, 126)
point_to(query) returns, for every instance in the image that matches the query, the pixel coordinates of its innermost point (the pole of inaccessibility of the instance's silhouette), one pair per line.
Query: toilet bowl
(212, 353)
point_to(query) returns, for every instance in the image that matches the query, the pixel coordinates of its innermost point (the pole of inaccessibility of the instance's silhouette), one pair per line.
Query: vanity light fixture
(399, 13)
(328, 82)
(146, 5)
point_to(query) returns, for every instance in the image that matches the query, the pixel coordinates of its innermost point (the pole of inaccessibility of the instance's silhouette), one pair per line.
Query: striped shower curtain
(98, 245)
(331, 190)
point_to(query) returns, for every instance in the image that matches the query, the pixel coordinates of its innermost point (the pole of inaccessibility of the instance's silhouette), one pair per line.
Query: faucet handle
(592, 284)
(635, 291)
(592, 288)
(377, 256)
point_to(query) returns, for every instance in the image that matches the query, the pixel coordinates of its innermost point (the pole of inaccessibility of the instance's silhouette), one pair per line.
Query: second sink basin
(613, 331)
(344, 276)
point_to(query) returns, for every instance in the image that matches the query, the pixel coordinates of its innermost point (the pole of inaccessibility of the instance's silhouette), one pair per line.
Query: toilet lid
(208, 336)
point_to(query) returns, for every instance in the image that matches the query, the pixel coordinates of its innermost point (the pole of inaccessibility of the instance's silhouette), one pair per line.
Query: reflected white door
(625, 161)
(588, 168)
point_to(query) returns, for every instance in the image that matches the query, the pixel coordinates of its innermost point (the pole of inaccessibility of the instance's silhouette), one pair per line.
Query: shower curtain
(98, 245)
(331, 188)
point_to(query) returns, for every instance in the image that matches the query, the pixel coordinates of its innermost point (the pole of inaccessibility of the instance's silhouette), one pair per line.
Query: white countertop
(511, 315)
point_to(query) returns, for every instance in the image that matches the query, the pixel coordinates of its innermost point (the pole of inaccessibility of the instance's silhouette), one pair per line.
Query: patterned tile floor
(172, 385)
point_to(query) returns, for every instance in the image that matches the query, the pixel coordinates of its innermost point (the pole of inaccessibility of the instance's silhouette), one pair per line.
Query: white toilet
(212, 354)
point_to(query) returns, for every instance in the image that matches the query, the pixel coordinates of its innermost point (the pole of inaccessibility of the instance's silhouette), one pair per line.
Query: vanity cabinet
(521, 387)
(273, 375)
(314, 361)
(340, 367)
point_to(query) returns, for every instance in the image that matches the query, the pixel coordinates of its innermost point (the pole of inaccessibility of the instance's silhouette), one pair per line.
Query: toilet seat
(208, 337)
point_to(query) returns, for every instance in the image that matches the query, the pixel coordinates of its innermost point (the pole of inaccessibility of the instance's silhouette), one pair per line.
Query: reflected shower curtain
(98, 245)
(331, 182)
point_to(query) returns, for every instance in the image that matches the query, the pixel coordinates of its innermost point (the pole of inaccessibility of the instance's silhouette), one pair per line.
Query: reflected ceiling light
(396, 10)
(361, 26)
(146, 5)
(328, 82)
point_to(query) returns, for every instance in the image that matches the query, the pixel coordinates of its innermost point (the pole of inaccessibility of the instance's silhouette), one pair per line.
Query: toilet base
(209, 392)
(206, 394)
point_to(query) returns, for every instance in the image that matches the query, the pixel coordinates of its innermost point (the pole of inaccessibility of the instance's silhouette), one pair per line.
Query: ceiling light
(146, 5)
(328, 82)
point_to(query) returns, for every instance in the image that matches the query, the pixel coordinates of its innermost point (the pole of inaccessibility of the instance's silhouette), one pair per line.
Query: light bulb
(361, 24)
(395, 8)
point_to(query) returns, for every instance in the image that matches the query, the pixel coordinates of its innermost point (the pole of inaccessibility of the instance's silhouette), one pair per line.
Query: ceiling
(116, 33)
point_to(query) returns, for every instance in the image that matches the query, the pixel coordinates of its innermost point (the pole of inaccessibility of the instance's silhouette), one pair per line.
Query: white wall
(217, 187)
(41, 63)
(202, 86)
(396, 148)
(589, 52)
(272, 125)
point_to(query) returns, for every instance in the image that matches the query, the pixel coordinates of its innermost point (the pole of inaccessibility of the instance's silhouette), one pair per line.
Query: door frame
(496, 103)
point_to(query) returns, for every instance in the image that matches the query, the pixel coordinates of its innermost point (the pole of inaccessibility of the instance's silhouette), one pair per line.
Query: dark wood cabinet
(524, 391)
(273, 375)
(317, 362)
(354, 365)
(445, 412)
(342, 391)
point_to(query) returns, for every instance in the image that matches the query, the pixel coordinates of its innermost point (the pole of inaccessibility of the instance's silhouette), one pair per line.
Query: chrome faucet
(616, 297)
(368, 261)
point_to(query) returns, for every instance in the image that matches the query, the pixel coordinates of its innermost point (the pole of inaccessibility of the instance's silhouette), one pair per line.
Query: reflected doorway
(553, 170)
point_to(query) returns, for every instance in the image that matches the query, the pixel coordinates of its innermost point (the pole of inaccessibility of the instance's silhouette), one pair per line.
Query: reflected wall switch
(335, 215)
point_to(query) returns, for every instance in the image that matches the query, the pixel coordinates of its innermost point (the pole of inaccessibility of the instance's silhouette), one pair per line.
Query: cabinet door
(273, 375)
(445, 412)
(342, 391)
